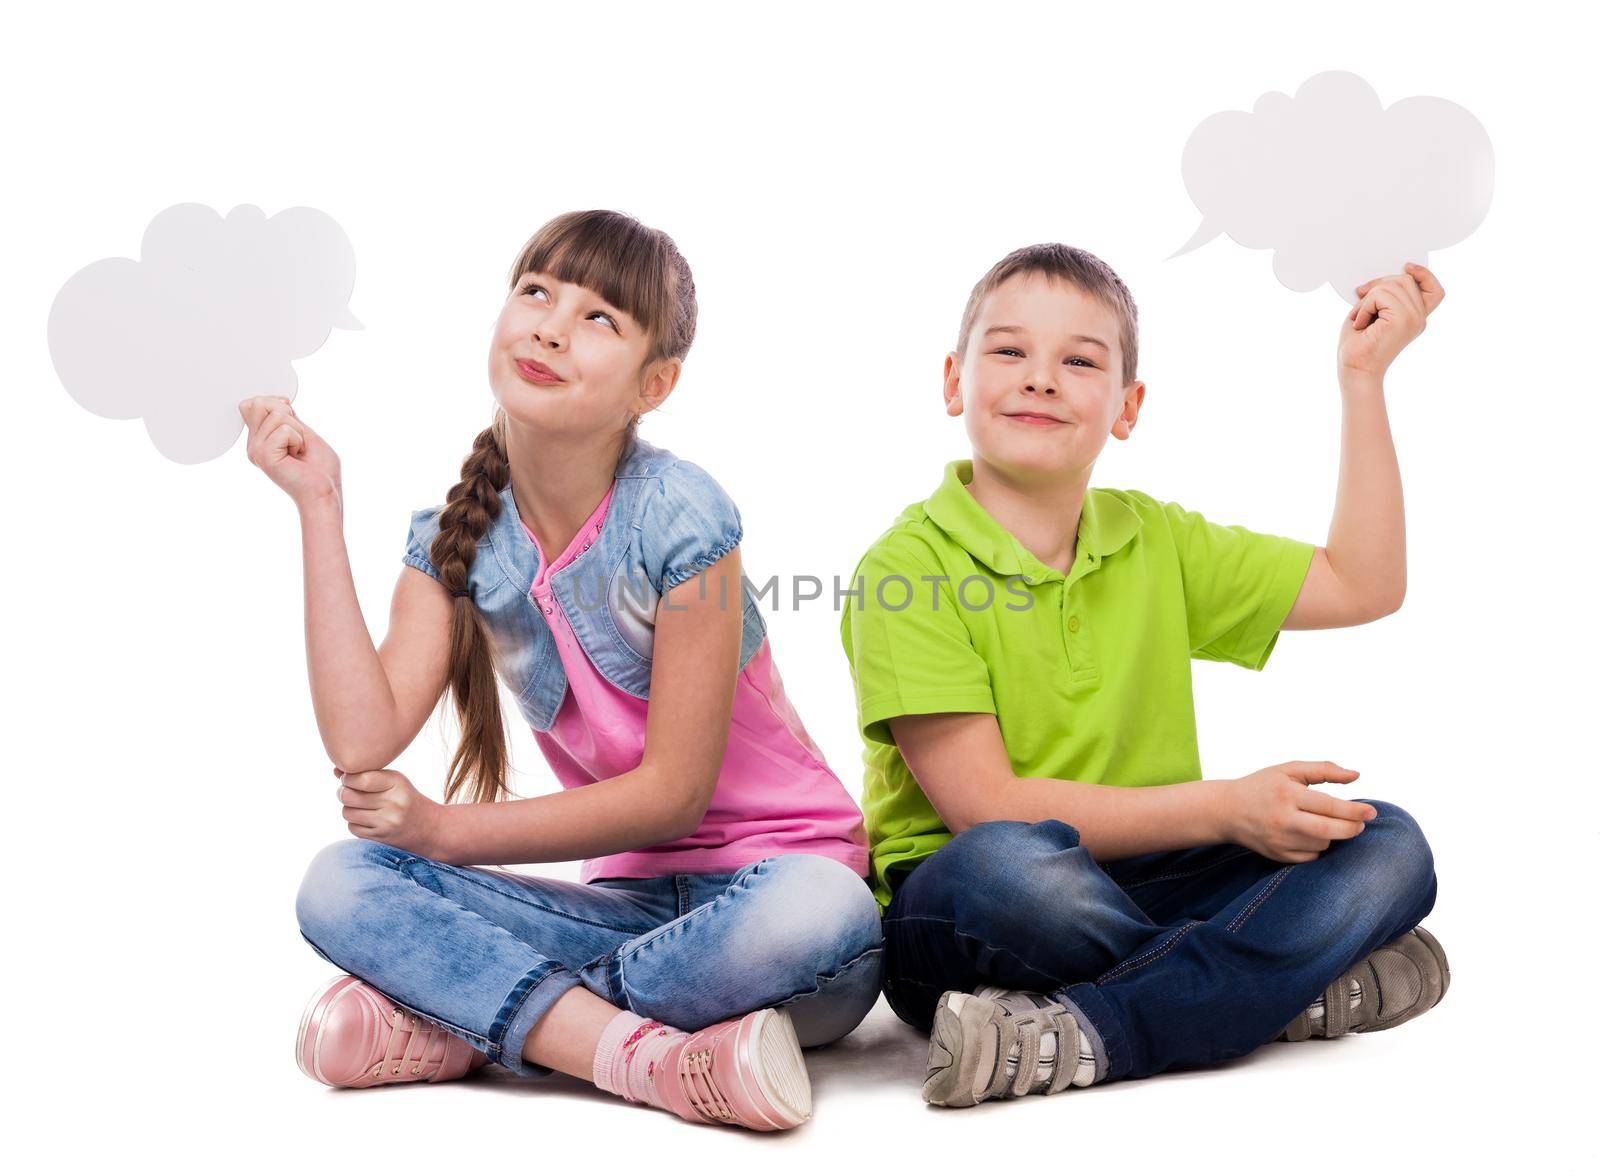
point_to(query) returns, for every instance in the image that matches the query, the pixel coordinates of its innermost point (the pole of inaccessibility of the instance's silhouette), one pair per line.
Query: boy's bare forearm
(350, 691)
(1116, 822)
(1367, 538)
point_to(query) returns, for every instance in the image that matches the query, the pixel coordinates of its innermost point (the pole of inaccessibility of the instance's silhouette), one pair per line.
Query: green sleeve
(910, 660)
(1238, 586)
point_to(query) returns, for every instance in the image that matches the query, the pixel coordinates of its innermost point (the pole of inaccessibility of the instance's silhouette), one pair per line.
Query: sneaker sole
(315, 1007)
(774, 1058)
(1439, 956)
(951, 1065)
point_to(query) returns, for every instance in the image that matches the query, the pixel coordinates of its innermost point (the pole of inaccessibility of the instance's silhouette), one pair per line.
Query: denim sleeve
(419, 542)
(1238, 586)
(689, 523)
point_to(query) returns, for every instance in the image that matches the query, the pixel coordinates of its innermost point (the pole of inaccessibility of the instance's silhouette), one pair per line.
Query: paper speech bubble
(213, 311)
(1340, 189)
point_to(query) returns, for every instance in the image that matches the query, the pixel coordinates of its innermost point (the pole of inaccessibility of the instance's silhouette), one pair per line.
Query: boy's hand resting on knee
(1275, 813)
(385, 806)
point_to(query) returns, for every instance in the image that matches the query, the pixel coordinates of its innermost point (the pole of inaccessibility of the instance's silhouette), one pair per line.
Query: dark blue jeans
(1168, 960)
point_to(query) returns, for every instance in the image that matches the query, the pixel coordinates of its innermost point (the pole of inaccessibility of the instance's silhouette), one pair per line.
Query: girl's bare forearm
(350, 691)
(615, 815)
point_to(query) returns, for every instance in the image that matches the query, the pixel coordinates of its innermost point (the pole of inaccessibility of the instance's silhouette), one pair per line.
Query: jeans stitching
(901, 980)
(1233, 857)
(918, 919)
(1250, 908)
(549, 968)
(824, 978)
(465, 876)
(651, 934)
(1050, 979)
(1149, 957)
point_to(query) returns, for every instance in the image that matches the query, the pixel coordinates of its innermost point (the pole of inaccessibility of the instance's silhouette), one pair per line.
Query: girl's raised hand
(1393, 311)
(385, 806)
(288, 451)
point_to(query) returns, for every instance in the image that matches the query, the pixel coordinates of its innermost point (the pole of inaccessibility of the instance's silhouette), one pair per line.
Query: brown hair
(640, 271)
(1070, 264)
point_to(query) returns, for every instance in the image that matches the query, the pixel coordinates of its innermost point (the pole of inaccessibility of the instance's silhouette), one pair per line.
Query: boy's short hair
(1070, 264)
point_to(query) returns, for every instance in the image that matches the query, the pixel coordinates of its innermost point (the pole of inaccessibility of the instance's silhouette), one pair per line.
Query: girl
(722, 921)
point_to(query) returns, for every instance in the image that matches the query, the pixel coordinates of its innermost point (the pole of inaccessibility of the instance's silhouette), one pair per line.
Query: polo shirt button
(1072, 624)
(547, 610)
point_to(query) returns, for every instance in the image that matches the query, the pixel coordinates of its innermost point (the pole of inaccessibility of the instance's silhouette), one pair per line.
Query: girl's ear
(659, 382)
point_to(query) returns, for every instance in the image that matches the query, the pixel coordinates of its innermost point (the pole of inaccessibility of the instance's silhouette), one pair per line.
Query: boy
(1066, 899)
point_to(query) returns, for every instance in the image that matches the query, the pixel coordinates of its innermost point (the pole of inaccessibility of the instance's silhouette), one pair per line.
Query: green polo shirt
(1087, 673)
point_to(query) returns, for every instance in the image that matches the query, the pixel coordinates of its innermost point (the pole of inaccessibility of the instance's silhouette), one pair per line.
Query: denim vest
(668, 520)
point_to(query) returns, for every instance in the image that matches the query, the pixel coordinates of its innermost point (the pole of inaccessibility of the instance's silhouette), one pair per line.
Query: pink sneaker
(354, 1035)
(748, 1072)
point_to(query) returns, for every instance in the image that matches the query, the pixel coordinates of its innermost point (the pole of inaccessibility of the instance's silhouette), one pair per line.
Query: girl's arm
(695, 668)
(369, 707)
(369, 703)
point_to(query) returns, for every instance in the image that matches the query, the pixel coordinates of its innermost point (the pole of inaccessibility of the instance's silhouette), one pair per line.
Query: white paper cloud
(213, 311)
(1339, 188)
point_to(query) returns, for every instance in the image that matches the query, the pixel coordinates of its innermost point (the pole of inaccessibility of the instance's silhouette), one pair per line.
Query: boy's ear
(952, 384)
(1132, 401)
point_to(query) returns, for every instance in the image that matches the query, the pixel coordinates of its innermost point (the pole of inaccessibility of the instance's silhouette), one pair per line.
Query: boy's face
(595, 351)
(1041, 384)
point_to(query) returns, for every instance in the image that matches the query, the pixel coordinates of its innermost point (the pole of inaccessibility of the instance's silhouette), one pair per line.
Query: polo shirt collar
(1105, 525)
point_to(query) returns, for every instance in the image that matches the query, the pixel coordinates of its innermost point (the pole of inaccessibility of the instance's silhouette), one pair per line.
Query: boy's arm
(960, 762)
(1361, 574)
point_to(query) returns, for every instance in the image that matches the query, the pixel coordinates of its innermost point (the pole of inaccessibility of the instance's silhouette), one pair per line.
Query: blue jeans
(1168, 960)
(487, 952)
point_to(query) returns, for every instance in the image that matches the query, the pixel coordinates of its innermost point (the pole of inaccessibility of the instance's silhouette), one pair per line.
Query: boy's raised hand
(1277, 814)
(1392, 312)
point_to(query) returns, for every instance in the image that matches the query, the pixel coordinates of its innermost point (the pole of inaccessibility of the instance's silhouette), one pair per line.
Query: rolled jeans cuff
(530, 1000)
(1095, 1018)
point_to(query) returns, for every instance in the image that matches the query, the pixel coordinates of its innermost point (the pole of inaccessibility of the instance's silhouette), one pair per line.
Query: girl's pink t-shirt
(775, 793)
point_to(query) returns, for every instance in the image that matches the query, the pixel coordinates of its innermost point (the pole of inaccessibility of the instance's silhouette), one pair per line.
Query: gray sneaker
(1401, 980)
(998, 1044)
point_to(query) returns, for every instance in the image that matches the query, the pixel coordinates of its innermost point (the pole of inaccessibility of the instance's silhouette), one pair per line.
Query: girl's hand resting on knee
(1275, 813)
(385, 806)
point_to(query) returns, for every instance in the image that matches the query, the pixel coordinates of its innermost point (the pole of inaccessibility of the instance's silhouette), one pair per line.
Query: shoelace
(422, 1037)
(1025, 1029)
(700, 1085)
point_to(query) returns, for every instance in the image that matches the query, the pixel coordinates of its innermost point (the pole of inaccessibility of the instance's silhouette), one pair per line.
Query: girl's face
(1041, 386)
(563, 359)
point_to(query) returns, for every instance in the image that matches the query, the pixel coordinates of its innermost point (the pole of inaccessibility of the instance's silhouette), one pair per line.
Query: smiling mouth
(1033, 418)
(535, 373)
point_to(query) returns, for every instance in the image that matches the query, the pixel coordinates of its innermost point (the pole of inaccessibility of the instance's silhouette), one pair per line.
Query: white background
(838, 178)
